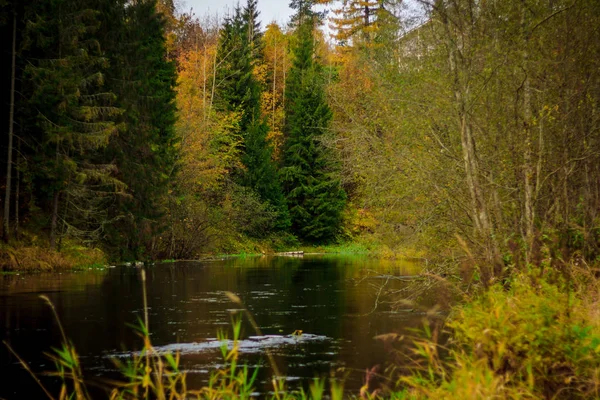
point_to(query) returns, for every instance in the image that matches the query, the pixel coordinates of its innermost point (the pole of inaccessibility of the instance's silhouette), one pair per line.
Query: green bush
(534, 340)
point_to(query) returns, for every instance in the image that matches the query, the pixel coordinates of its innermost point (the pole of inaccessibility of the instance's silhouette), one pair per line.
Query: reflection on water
(329, 298)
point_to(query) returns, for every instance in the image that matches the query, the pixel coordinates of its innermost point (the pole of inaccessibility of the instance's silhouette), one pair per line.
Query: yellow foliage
(534, 340)
(208, 145)
(272, 73)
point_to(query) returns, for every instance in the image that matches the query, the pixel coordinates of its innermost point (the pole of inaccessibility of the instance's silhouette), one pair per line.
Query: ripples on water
(329, 298)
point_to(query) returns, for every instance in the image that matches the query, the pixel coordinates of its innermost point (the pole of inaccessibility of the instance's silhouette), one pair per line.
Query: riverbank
(535, 335)
(33, 254)
(371, 249)
(21, 257)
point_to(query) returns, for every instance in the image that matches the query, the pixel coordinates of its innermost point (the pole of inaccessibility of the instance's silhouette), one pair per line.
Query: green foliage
(310, 179)
(408, 110)
(238, 54)
(74, 115)
(233, 381)
(304, 11)
(261, 174)
(342, 248)
(535, 340)
(249, 214)
(95, 118)
(144, 150)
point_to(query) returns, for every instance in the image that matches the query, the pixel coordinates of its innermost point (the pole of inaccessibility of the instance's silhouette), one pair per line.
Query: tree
(239, 91)
(304, 11)
(145, 150)
(468, 128)
(274, 68)
(74, 114)
(313, 192)
(10, 132)
(359, 21)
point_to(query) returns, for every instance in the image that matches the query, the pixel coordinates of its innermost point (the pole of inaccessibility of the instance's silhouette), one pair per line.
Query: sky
(270, 10)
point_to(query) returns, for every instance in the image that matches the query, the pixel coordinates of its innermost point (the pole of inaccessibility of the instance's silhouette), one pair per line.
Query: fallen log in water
(291, 254)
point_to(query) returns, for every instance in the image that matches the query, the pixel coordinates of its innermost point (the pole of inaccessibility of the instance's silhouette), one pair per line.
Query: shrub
(534, 340)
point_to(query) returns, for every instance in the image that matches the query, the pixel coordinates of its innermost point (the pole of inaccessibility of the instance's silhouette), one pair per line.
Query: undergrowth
(535, 336)
(29, 257)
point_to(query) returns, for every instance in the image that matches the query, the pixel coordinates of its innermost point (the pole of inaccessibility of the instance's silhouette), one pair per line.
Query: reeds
(534, 337)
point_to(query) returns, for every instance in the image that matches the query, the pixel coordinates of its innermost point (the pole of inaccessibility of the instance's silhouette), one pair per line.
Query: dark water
(330, 298)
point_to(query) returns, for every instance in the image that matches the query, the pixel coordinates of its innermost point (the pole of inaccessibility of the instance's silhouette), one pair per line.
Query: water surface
(336, 301)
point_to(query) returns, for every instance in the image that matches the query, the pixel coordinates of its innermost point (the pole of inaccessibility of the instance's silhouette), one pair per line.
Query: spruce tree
(145, 149)
(305, 12)
(240, 49)
(311, 183)
(74, 116)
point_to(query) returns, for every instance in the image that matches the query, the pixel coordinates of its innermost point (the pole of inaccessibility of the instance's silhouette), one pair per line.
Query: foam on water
(254, 344)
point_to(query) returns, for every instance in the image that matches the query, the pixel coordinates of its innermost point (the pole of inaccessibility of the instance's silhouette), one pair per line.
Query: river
(340, 303)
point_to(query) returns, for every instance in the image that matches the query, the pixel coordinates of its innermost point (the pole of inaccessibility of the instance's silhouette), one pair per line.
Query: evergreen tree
(253, 31)
(145, 149)
(314, 193)
(240, 49)
(305, 12)
(74, 116)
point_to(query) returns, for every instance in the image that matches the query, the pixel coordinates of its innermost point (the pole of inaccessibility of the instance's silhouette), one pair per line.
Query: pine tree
(240, 50)
(314, 194)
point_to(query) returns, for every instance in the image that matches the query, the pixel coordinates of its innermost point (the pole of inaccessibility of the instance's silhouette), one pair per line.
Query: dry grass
(536, 336)
(33, 258)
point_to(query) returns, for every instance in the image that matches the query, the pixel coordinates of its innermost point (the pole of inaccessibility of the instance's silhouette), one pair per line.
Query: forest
(146, 132)
(465, 133)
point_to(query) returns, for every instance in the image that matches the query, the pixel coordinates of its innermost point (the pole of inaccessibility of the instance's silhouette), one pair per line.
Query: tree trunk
(479, 210)
(17, 193)
(214, 82)
(274, 82)
(54, 224)
(284, 81)
(205, 55)
(10, 134)
(528, 168)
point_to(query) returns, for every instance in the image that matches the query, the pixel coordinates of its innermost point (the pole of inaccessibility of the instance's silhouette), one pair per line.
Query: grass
(536, 336)
(32, 253)
(9, 273)
(365, 247)
(38, 258)
(342, 248)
